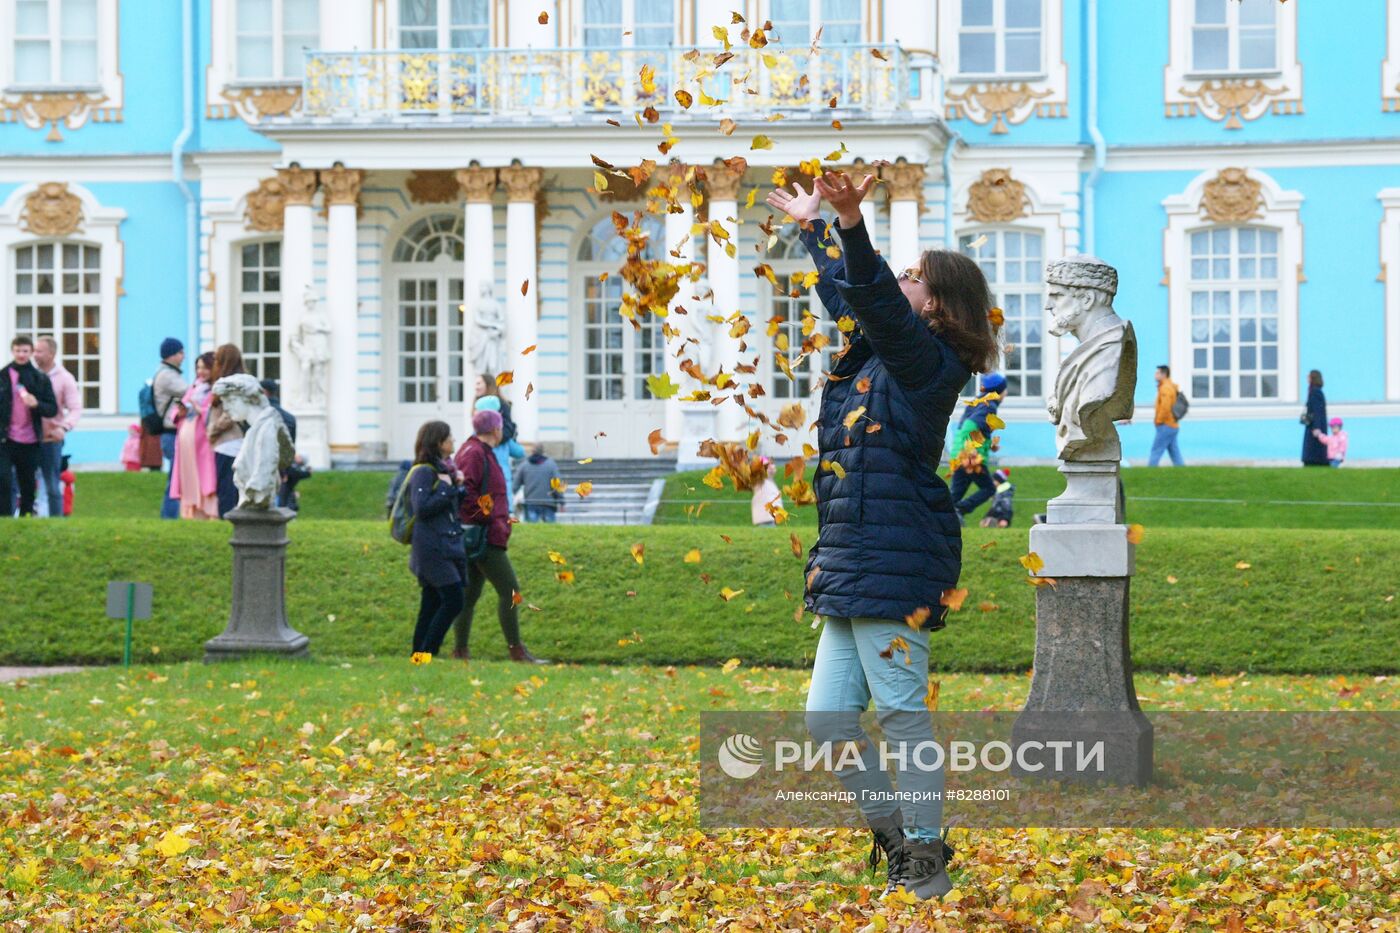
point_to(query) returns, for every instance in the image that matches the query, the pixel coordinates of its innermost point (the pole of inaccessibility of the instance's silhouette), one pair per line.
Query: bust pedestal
(313, 437)
(1082, 687)
(257, 620)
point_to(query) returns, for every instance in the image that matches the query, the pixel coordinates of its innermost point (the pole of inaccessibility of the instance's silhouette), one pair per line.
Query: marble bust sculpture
(1095, 384)
(267, 447)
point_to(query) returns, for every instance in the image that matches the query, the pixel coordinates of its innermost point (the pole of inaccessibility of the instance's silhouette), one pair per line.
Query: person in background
(437, 559)
(1336, 442)
(1314, 421)
(131, 450)
(486, 386)
(70, 410)
(225, 434)
(69, 482)
(484, 503)
(765, 494)
(999, 514)
(287, 492)
(273, 390)
(168, 386)
(537, 476)
(196, 481)
(971, 460)
(507, 450)
(26, 399)
(1162, 417)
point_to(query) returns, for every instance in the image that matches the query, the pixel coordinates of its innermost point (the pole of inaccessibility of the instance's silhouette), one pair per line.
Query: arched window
(429, 295)
(1014, 264)
(1234, 300)
(617, 357)
(259, 304)
(58, 291)
(430, 238)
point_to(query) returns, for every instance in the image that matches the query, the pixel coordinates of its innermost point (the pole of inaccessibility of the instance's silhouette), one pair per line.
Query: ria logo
(741, 756)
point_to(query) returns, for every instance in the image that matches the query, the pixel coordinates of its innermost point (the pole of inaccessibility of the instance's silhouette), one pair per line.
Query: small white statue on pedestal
(312, 345)
(488, 339)
(267, 447)
(1095, 384)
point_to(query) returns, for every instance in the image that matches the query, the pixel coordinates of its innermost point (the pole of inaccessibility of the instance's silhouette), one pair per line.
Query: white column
(723, 269)
(906, 184)
(522, 310)
(678, 240)
(299, 187)
(342, 193)
(479, 267)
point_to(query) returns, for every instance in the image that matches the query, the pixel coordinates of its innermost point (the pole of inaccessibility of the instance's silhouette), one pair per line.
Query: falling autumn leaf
(556, 484)
(727, 127)
(931, 697)
(879, 54)
(583, 489)
(835, 468)
(655, 441)
(544, 18)
(1033, 562)
(853, 416)
(662, 386)
(796, 545)
(484, 503)
(1135, 533)
(639, 551)
(528, 350)
(525, 287)
(761, 142)
(995, 423)
(918, 617)
(685, 99)
(529, 390)
(505, 378)
(953, 599)
(997, 317)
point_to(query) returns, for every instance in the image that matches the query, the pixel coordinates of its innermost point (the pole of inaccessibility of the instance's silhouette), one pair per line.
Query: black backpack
(1181, 406)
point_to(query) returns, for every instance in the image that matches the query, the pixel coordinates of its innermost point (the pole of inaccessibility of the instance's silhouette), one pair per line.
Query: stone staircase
(625, 492)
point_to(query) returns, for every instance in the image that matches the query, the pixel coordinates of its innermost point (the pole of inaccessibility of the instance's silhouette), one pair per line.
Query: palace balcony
(583, 86)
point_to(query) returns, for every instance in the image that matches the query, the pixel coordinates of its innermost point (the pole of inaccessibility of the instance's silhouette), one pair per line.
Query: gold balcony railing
(563, 85)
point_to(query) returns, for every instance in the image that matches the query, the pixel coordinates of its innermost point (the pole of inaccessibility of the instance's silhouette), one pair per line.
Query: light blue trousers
(849, 673)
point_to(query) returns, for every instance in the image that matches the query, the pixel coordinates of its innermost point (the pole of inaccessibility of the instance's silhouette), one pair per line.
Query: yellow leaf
(853, 416)
(172, 844)
(684, 98)
(600, 181)
(1243, 565)
(761, 142)
(730, 665)
(727, 594)
(556, 558)
(1171, 579)
(995, 423)
(931, 698)
(565, 576)
(692, 556)
(557, 485)
(583, 489)
(662, 386)
(833, 252)
(485, 503)
(834, 467)
(953, 599)
(639, 552)
(648, 76)
(505, 378)
(748, 203)
(1033, 562)
(1135, 534)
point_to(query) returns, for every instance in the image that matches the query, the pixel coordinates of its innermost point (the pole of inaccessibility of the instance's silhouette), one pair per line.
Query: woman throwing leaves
(889, 541)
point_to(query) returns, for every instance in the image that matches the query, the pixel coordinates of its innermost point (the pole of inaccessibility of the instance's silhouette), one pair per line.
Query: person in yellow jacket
(1165, 420)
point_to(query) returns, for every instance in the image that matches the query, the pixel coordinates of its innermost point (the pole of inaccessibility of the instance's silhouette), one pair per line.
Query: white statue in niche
(1095, 384)
(312, 345)
(699, 330)
(267, 446)
(488, 338)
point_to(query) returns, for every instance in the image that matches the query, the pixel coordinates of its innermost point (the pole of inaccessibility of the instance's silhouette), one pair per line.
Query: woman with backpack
(438, 559)
(484, 506)
(889, 543)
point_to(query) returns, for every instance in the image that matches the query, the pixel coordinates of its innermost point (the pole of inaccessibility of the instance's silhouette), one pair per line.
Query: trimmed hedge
(1314, 602)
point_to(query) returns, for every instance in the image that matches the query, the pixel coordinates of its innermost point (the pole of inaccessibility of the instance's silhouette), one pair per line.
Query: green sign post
(130, 601)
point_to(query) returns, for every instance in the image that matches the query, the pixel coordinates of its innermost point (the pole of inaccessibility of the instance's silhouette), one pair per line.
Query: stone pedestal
(313, 438)
(258, 618)
(699, 422)
(1093, 495)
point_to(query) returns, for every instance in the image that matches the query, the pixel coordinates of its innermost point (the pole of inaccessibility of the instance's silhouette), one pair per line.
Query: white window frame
(279, 38)
(628, 25)
(221, 100)
(784, 268)
(1232, 27)
(100, 227)
(816, 18)
(103, 98)
(1390, 68)
(1046, 93)
(58, 301)
(998, 30)
(1280, 210)
(1049, 344)
(54, 37)
(1186, 91)
(444, 26)
(262, 298)
(1390, 275)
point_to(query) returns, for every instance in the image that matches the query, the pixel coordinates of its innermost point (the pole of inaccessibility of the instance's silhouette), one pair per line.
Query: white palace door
(614, 411)
(425, 298)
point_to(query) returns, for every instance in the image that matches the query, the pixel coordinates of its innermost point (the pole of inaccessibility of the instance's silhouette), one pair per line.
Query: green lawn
(1263, 497)
(340, 495)
(1310, 602)
(376, 795)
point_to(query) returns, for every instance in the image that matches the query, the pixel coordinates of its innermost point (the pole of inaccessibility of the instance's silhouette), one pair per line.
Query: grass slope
(1316, 602)
(1262, 497)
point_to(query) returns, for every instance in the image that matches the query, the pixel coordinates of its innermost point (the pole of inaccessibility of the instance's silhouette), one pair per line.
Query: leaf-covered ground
(376, 795)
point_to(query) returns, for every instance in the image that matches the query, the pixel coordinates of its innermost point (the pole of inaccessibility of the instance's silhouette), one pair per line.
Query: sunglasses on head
(912, 274)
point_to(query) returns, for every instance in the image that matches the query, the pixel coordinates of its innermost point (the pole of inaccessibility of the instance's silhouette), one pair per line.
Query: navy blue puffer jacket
(889, 541)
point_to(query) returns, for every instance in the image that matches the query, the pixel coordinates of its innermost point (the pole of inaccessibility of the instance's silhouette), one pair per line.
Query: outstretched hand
(804, 207)
(844, 195)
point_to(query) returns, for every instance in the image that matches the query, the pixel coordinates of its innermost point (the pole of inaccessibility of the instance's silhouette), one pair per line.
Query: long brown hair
(962, 303)
(228, 361)
(427, 447)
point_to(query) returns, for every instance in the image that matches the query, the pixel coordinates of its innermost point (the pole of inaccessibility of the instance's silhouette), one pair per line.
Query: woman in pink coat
(194, 481)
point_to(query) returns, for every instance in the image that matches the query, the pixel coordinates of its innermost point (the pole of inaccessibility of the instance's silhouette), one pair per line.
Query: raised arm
(899, 336)
(805, 208)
